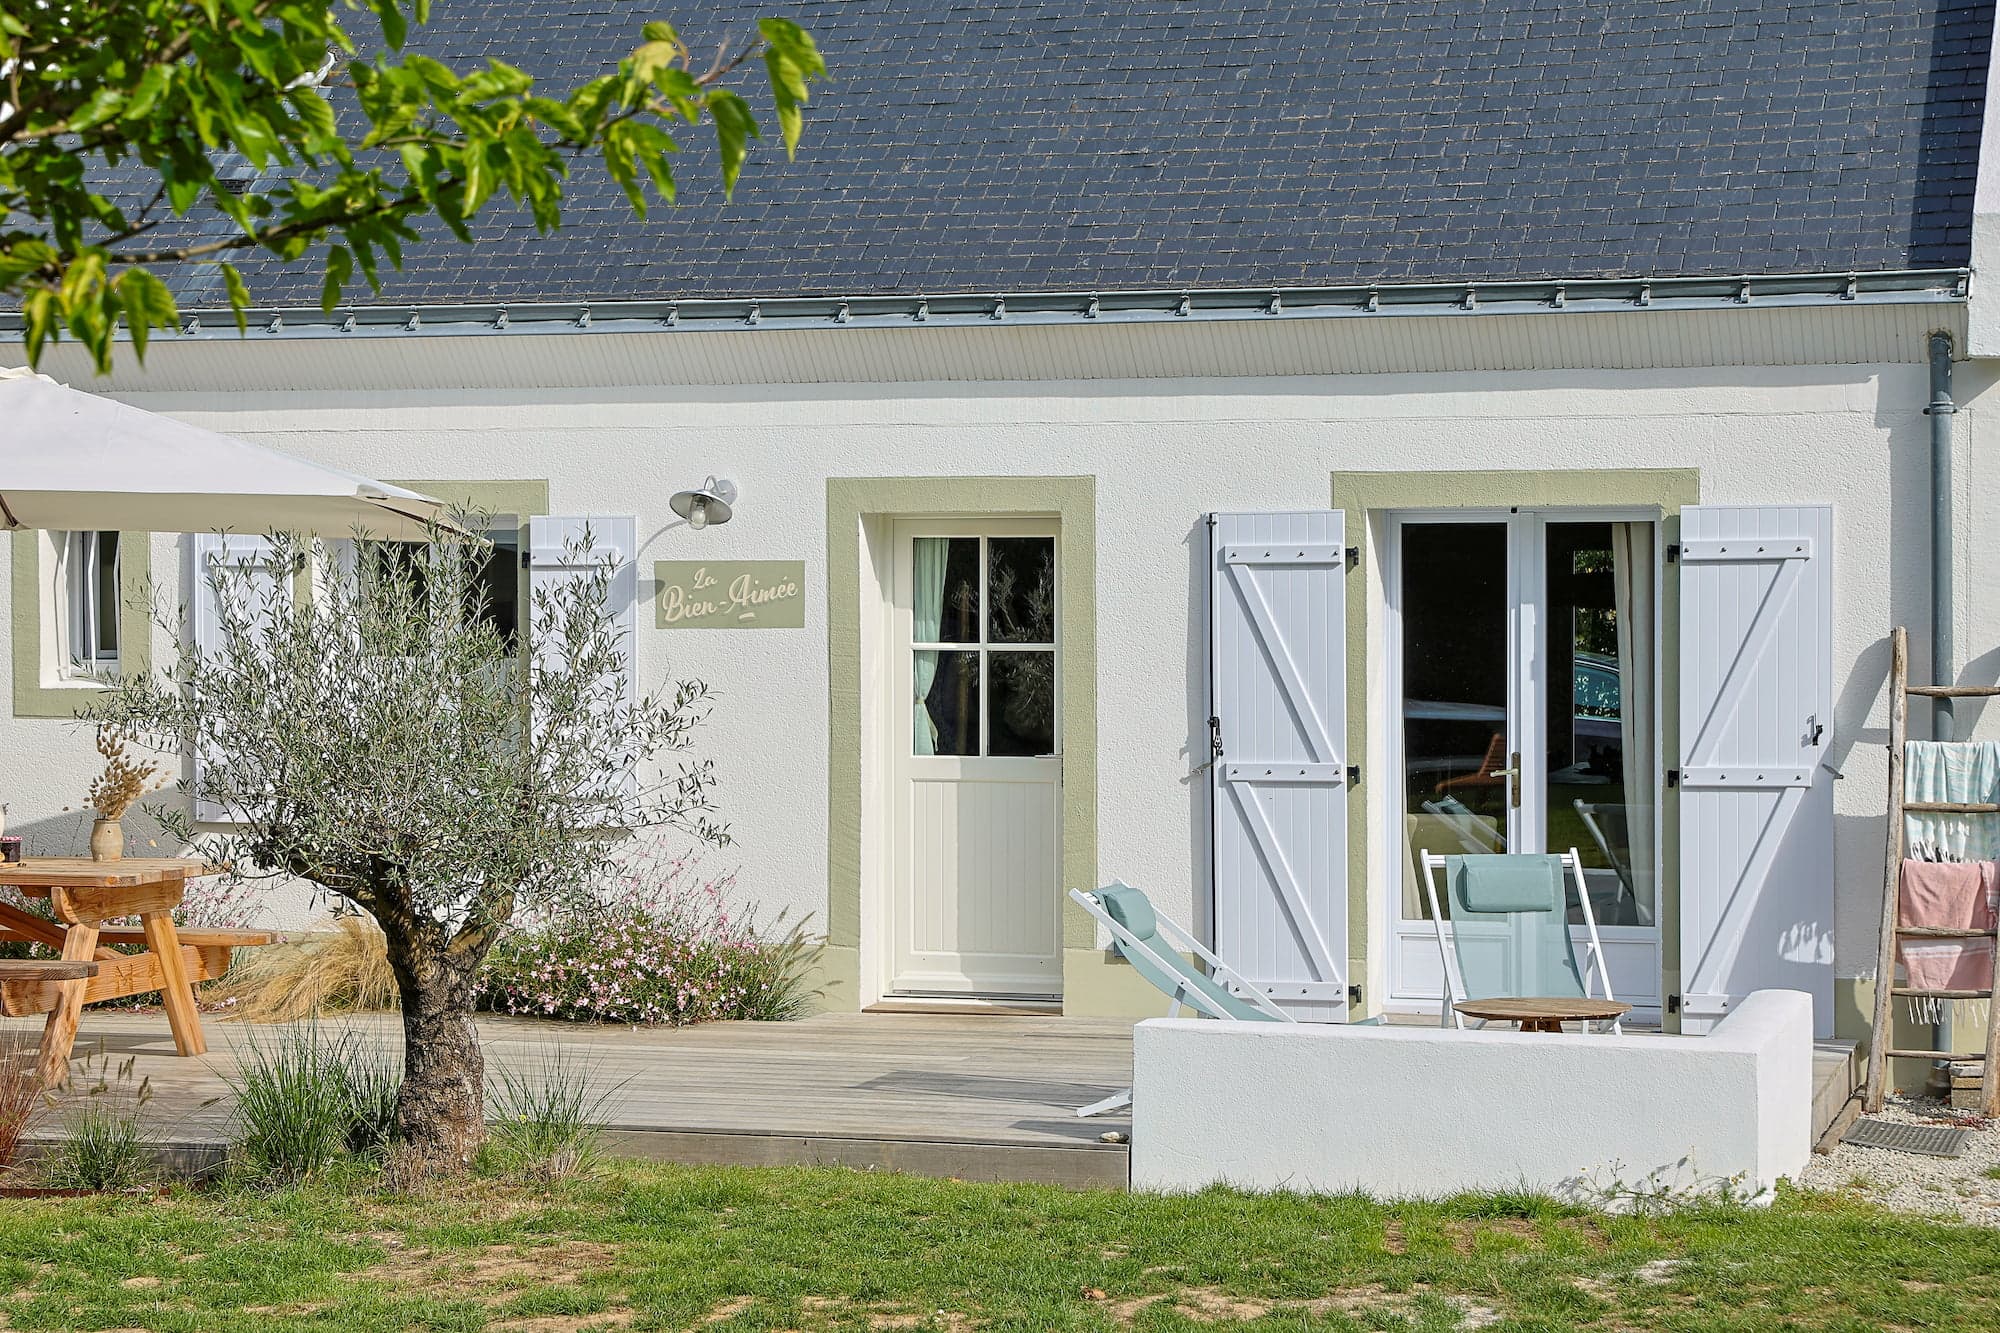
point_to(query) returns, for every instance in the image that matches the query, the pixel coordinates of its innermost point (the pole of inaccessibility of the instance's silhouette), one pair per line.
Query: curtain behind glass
(1637, 605)
(926, 622)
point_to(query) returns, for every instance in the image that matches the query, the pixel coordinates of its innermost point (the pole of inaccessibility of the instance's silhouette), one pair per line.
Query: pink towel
(1961, 894)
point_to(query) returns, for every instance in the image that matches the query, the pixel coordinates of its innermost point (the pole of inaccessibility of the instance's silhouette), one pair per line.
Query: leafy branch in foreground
(155, 95)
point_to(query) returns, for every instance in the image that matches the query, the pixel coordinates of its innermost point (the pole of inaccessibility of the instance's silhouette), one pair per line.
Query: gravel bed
(1966, 1188)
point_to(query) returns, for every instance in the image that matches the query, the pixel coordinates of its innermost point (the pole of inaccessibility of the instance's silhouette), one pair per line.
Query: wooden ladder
(1880, 1052)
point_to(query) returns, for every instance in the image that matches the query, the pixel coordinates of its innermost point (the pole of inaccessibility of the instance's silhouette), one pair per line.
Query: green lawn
(648, 1247)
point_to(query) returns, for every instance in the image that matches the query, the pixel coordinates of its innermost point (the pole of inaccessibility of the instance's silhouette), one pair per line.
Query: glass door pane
(1455, 603)
(1599, 738)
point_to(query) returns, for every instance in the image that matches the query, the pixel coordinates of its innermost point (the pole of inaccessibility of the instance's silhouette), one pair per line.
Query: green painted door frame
(857, 506)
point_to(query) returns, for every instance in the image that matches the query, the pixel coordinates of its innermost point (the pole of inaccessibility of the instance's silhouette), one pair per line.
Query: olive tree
(369, 726)
(117, 118)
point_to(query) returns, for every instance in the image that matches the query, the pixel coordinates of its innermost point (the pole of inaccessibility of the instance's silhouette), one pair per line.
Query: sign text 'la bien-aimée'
(731, 594)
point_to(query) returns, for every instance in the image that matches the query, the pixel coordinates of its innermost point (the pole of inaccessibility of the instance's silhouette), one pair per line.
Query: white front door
(1524, 651)
(976, 771)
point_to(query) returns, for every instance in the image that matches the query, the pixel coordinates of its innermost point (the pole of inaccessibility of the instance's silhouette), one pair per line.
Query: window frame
(986, 645)
(43, 687)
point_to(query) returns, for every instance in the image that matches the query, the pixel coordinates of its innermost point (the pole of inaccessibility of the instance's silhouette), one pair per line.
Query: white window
(86, 604)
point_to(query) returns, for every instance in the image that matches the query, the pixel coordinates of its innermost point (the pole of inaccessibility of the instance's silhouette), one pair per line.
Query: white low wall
(1413, 1111)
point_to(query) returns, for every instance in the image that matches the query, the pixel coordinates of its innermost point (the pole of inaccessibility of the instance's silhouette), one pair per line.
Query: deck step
(1895, 1054)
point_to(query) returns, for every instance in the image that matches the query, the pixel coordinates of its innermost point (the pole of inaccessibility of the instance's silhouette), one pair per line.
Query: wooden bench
(205, 954)
(26, 976)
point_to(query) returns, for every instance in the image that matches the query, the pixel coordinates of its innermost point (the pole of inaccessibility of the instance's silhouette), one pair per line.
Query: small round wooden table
(1542, 1013)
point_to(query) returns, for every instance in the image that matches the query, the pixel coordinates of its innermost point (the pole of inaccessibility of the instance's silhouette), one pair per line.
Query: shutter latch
(1673, 777)
(1214, 747)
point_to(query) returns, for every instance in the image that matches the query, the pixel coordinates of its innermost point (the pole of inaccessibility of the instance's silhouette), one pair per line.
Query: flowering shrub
(662, 945)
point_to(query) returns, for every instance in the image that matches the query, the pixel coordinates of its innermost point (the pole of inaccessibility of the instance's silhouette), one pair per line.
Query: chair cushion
(1131, 909)
(1506, 883)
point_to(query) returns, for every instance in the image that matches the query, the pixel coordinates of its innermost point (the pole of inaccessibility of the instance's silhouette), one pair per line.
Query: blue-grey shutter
(1279, 785)
(1756, 802)
(554, 558)
(244, 565)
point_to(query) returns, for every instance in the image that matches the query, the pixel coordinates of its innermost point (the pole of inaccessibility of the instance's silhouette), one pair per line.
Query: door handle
(1513, 774)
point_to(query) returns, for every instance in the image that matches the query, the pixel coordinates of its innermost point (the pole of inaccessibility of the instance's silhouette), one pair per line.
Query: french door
(1525, 718)
(976, 771)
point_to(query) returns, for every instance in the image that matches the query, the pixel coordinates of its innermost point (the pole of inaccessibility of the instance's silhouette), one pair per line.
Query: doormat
(1929, 1140)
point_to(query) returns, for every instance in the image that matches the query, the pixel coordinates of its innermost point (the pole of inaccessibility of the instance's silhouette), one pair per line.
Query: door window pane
(946, 689)
(945, 602)
(1599, 744)
(1021, 703)
(1454, 600)
(1021, 590)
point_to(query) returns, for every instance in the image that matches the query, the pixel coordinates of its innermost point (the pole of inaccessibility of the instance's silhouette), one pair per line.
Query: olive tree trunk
(441, 1110)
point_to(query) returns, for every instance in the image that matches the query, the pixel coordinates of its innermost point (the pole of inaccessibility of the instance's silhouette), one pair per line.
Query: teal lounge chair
(1157, 950)
(1508, 935)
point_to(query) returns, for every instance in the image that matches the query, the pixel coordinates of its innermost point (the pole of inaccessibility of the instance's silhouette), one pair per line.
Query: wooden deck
(976, 1097)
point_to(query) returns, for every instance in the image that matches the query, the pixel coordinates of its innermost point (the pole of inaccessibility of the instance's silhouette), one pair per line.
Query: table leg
(59, 1033)
(176, 991)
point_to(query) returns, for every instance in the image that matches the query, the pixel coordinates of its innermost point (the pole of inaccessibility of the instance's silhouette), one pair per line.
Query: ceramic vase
(107, 841)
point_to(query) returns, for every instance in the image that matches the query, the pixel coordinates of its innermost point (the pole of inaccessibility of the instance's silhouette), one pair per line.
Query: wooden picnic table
(84, 894)
(1542, 1013)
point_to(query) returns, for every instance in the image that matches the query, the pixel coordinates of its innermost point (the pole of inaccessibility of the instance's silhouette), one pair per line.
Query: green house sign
(730, 594)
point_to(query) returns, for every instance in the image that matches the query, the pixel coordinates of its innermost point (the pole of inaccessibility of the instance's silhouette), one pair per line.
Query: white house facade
(1244, 590)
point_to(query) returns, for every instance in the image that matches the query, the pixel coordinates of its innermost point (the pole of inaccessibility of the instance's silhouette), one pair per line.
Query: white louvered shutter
(553, 560)
(1756, 803)
(246, 567)
(1279, 784)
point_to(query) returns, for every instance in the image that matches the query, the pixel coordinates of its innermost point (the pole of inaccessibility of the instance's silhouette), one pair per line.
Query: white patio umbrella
(71, 460)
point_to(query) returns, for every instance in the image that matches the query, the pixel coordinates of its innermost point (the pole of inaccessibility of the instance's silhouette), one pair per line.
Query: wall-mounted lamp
(707, 503)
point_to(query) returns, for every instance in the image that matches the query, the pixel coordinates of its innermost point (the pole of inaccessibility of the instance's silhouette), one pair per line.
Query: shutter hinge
(1673, 777)
(1673, 1004)
(1673, 553)
(525, 561)
(1354, 557)
(1354, 775)
(1354, 995)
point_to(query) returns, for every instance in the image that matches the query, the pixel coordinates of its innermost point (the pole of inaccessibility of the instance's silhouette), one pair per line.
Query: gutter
(1468, 300)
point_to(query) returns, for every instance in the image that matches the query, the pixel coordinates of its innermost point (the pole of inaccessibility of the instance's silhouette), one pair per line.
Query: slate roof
(1074, 145)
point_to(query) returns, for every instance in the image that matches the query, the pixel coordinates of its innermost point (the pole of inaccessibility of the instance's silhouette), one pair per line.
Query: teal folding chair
(1157, 949)
(1508, 934)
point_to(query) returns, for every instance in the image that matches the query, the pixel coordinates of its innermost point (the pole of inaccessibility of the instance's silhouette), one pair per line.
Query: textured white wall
(1271, 1106)
(1163, 452)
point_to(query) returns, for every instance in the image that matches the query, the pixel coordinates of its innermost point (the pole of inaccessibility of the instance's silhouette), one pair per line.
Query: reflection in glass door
(1525, 652)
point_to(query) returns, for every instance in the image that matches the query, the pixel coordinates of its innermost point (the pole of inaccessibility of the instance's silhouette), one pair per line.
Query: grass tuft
(546, 1121)
(306, 1100)
(345, 969)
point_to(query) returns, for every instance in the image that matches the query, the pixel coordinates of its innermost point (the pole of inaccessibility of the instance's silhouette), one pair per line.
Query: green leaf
(791, 62)
(734, 128)
(394, 27)
(148, 306)
(239, 296)
(39, 308)
(339, 268)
